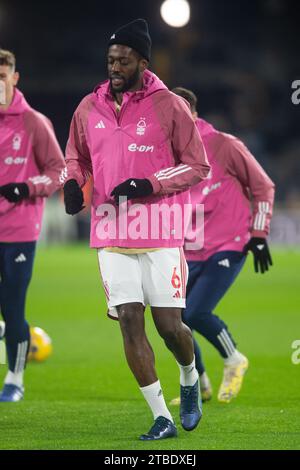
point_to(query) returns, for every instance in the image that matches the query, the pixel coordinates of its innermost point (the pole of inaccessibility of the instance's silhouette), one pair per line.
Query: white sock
(154, 396)
(188, 374)
(235, 358)
(14, 378)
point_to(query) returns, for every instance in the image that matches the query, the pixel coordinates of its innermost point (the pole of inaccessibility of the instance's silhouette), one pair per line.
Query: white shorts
(157, 278)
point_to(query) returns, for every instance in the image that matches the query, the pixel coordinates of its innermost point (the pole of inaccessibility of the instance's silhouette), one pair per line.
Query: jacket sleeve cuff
(155, 184)
(78, 178)
(258, 234)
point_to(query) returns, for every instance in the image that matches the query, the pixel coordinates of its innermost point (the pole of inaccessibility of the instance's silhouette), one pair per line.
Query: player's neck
(4, 107)
(118, 97)
(9, 100)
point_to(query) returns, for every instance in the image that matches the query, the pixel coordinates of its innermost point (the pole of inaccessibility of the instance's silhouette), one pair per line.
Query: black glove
(15, 192)
(132, 189)
(73, 197)
(261, 253)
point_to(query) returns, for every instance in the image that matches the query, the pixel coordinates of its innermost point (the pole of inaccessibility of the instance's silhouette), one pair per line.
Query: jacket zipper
(121, 113)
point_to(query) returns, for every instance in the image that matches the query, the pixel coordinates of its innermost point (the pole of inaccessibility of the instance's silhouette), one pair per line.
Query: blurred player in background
(238, 199)
(140, 142)
(31, 166)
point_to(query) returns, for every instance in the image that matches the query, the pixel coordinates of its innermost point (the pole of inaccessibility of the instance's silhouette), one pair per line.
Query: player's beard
(127, 84)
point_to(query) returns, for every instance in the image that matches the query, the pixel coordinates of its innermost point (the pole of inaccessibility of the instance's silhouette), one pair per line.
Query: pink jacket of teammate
(153, 137)
(238, 195)
(29, 153)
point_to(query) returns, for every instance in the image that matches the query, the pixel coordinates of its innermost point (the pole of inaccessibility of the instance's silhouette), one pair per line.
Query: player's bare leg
(140, 358)
(138, 351)
(176, 335)
(178, 339)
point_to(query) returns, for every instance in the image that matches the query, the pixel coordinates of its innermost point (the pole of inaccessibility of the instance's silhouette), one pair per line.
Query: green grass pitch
(84, 396)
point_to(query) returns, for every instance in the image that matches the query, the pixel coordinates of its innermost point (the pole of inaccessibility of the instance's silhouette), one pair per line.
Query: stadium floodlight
(175, 13)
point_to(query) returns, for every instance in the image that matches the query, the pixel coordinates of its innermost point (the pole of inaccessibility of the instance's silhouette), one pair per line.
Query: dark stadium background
(239, 56)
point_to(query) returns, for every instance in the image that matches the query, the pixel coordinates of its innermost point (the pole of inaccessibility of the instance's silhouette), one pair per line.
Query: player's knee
(171, 333)
(194, 319)
(14, 294)
(190, 320)
(130, 322)
(16, 330)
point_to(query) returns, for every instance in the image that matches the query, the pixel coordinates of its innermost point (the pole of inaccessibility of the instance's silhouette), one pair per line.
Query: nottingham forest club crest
(16, 143)
(141, 126)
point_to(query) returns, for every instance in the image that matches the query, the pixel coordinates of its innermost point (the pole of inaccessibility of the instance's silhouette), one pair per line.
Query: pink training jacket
(154, 137)
(238, 195)
(29, 153)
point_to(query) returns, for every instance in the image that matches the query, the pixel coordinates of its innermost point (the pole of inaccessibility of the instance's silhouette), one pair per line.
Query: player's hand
(261, 254)
(73, 197)
(15, 192)
(132, 188)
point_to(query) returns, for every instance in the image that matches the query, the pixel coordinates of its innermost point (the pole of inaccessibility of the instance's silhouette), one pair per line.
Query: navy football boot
(161, 429)
(190, 406)
(11, 393)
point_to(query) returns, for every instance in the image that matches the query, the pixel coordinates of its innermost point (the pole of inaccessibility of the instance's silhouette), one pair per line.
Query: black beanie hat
(134, 35)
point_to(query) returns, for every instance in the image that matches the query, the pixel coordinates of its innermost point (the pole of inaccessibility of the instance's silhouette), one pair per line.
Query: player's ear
(143, 65)
(16, 78)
